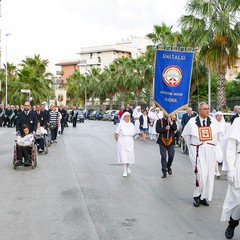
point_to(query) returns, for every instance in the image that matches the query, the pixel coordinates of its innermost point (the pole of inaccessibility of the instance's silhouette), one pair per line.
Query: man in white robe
(231, 206)
(201, 134)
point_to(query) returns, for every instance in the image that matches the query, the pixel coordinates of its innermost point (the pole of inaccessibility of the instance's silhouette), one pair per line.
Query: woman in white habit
(125, 143)
(220, 143)
(152, 126)
(136, 115)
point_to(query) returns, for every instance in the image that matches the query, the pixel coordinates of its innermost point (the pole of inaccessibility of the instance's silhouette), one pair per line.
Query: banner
(60, 96)
(172, 80)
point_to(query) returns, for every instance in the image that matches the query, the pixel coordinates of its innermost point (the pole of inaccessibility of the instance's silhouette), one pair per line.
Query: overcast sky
(58, 29)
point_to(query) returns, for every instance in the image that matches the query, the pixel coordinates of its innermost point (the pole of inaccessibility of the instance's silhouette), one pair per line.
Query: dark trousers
(62, 125)
(54, 133)
(24, 152)
(1, 121)
(164, 152)
(74, 121)
(40, 142)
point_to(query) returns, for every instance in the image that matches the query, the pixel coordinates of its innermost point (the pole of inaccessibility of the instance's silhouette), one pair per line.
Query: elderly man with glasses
(201, 135)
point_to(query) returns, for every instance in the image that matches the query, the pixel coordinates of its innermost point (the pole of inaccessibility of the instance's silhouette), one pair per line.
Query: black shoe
(27, 164)
(229, 233)
(18, 163)
(169, 171)
(204, 202)
(196, 201)
(164, 175)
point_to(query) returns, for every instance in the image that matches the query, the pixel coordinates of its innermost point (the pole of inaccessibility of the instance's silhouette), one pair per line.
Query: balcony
(92, 61)
(59, 72)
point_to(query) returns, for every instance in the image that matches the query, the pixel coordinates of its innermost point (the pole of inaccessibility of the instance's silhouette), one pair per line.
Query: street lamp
(6, 101)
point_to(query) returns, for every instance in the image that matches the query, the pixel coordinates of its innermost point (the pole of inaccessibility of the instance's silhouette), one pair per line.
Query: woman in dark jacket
(144, 122)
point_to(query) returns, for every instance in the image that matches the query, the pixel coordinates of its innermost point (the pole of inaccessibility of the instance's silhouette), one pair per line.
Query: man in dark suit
(44, 117)
(186, 116)
(64, 117)
(74, 114)
(27, 117)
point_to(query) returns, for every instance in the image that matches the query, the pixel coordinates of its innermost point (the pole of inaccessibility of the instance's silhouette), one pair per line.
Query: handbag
(166, 141)
(52, 125)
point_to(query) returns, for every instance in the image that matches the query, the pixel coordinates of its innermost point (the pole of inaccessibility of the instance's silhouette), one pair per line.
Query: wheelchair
(33, 155)
(183, 146)
(46, 143)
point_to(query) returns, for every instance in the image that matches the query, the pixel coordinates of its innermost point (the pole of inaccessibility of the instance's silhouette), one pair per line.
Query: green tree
(215, 29)
(33, 75)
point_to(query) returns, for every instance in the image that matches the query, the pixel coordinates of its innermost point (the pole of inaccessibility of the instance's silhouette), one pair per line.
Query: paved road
(77, 192)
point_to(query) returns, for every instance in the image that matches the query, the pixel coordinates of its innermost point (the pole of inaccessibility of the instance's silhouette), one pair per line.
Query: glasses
(205, 109)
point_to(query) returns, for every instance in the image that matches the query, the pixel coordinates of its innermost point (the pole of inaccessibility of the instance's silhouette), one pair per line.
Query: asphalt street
(77, 192)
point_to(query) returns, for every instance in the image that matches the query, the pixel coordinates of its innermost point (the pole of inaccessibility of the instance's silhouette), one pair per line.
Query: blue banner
(172, 80)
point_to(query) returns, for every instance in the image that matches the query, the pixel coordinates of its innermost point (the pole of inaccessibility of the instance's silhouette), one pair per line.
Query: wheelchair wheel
(14, 156)
(183, 146)
(49, 137)
(46, 144)
(34, 155)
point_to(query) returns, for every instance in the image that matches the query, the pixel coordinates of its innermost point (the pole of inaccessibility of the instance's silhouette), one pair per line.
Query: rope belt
(196, 169)
(197, 155)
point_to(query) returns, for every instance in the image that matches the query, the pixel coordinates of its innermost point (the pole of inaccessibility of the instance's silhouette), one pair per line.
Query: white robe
(220, 147)
(125, 143)
(153, 120)
(206, 157)
(232, 198)
(136, 123)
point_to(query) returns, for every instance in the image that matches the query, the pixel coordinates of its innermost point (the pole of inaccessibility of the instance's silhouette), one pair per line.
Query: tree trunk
(111, 102)
(221, 91)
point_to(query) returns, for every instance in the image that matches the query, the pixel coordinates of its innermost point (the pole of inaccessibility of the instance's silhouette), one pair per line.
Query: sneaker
(51, 141)
(55, 141)
(128, 170)
(125, 174)
(40, 150)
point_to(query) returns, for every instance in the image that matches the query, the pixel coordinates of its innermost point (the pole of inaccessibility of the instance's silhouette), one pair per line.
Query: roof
(67, 63)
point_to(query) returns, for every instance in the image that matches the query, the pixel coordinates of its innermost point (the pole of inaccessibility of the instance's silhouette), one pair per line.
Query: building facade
(103, 56)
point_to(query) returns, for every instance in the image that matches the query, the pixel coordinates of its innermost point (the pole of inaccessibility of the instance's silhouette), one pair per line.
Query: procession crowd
(209, 140)
(33, 124)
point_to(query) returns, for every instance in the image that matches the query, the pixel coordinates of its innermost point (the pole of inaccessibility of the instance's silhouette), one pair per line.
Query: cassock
(202, 155)
(125, 143)
(232, 198)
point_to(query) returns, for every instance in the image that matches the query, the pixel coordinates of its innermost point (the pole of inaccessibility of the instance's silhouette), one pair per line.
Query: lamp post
(6, 100)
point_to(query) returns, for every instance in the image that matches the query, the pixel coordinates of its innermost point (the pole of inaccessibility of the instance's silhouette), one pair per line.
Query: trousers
(166, 152)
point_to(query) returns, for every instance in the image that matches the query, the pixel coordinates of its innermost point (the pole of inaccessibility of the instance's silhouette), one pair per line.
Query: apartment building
(68, 67)
(102, 56)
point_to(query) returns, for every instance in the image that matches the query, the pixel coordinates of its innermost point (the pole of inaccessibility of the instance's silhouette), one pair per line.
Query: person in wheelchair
(24, 146)
(39, 137)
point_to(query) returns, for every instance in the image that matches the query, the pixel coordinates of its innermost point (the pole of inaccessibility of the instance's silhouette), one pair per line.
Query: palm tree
(32, 76)
(76, 88)
(216, 32)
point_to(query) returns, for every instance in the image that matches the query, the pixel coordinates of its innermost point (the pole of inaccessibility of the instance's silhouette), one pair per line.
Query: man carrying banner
(201, 134)
(166, 128)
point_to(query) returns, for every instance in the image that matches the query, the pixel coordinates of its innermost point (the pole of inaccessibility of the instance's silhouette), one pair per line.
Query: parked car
(109, 115)
(115, 117)
(96, 115)
(80, 117)
(179, 115)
